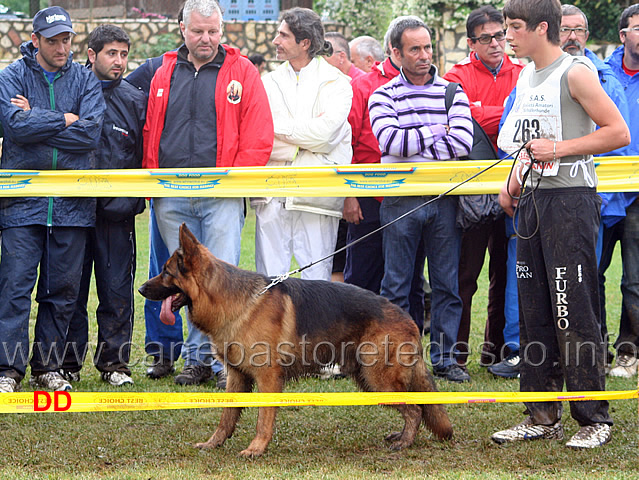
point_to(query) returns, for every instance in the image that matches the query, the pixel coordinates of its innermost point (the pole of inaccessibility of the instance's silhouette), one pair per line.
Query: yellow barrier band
(35, 402)
(616, 174)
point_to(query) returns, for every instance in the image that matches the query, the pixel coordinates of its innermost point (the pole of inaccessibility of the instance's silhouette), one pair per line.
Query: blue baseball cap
(52, 21)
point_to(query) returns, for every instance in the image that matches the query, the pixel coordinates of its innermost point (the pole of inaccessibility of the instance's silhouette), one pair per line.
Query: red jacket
(481, 86)
(365, 144)
(244, 127)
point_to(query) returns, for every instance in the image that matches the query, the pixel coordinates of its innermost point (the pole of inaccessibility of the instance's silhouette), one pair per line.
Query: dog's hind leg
(269, 381)
(236, 382)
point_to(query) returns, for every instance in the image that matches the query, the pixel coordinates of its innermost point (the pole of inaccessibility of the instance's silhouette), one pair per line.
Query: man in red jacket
(203, 99)
(487, 76)
(364, 261)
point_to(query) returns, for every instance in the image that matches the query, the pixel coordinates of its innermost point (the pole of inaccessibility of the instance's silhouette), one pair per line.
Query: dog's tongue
(167, 317)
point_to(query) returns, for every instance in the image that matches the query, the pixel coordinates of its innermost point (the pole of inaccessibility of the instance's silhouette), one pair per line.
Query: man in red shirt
(487, 76)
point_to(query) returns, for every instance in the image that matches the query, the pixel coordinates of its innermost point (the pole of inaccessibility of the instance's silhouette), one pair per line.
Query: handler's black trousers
(559, 302)
(111, 248)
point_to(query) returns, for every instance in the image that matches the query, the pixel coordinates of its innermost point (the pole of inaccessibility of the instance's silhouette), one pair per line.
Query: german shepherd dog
(293, 329)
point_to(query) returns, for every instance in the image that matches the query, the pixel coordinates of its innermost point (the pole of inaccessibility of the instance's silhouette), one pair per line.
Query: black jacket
(121, 144)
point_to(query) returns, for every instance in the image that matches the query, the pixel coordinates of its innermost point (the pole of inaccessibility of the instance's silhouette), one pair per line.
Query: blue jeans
(161, 341)
(511, 304)
(435, 224)
(217, 223)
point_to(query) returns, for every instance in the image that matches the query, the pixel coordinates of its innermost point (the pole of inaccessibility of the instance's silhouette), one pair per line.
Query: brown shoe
(161, 368)
(194, 375)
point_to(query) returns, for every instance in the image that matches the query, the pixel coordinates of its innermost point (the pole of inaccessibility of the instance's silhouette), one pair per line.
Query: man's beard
(572, 43)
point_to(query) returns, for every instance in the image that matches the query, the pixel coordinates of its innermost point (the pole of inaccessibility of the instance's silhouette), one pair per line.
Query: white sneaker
(591, 436)
(626, 367)
(50, 381)
(527, 430)
(8, 385)
(117, 379)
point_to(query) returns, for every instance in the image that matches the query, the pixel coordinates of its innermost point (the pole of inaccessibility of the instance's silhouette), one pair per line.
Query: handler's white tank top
(544, 108)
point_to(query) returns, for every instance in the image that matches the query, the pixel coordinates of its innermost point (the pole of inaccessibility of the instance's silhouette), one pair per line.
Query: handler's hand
(542, 149)
(507, 202)
(352, 212)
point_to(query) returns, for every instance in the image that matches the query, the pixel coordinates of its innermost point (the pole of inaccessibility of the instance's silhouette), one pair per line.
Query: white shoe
(117, 379)
(591, 436)
(8, 385)
(50, 381)
(626, 367)
(527, 430)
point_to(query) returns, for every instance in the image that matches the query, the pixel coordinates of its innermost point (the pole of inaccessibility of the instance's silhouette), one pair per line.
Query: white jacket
(310, 116)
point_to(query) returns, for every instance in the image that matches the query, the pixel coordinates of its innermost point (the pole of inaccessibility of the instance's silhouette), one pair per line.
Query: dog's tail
(433, 416)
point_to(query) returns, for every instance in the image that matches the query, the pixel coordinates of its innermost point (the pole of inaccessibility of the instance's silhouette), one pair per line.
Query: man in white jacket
(310, 101)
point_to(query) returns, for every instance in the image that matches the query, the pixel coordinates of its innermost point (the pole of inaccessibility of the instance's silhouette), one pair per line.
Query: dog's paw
(209, 445)
(399, 445)
(393, 437)
(252, 452)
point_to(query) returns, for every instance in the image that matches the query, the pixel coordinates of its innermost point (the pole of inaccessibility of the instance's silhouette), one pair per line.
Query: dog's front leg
(236, 382)
(270, 382)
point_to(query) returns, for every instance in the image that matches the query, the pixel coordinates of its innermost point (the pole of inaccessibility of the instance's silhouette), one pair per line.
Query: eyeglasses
(580, 32)
(486, 39)
(634, 30)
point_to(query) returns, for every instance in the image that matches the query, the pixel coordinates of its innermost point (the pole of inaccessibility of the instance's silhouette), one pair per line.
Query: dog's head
(173, 284)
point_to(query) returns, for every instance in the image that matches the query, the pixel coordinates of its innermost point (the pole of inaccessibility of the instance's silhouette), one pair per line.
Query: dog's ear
(188, 241)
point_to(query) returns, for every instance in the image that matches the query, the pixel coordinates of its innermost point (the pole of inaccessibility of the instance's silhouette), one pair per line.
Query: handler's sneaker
(117, 379)
(527, 430)
(194, 375)
(591, 436)
(507, 368)
(8, 385)
(626, 366)
(50, 381)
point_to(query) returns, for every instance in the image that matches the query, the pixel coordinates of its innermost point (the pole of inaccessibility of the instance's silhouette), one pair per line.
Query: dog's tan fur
(294, 329)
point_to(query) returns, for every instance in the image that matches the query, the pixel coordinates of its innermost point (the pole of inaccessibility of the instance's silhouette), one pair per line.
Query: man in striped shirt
(410, 121)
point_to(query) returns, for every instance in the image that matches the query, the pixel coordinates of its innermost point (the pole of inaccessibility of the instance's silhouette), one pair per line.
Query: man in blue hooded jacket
(51, 110)
(624, 63)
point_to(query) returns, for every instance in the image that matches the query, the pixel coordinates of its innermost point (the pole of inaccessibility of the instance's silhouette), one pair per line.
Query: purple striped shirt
(409, 121)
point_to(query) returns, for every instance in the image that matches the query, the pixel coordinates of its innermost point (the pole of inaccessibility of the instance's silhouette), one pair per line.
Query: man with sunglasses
(487, 76)
(624, 62)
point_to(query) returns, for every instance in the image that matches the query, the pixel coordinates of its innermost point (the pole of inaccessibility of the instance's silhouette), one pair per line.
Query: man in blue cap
(51, 109)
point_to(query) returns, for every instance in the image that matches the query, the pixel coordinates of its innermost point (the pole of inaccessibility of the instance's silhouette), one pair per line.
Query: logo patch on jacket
(121, 130)
(234, 92)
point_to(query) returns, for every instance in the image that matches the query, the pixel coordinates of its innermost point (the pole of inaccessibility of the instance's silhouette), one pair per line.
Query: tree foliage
(367, 17)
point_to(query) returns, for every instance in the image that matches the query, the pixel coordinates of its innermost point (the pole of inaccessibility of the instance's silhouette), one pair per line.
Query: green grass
(309, 442)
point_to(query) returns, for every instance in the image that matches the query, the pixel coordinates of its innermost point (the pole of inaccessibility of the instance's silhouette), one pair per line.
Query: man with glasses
(487, 76)
(573, 35)
(624, 62)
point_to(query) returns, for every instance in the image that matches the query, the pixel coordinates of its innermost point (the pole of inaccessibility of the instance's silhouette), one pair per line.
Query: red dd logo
(46, 399)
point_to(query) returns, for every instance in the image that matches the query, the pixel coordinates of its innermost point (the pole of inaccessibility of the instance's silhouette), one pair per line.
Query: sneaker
(8, 385)
(221, 379)
(194, 375)
(331, 372)
(591, 436)
(70, 376)
(527, 430)
(452, 373)
(117, 379)
(626, 366)
(161, 368)
(50, 381)
(508, 367)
